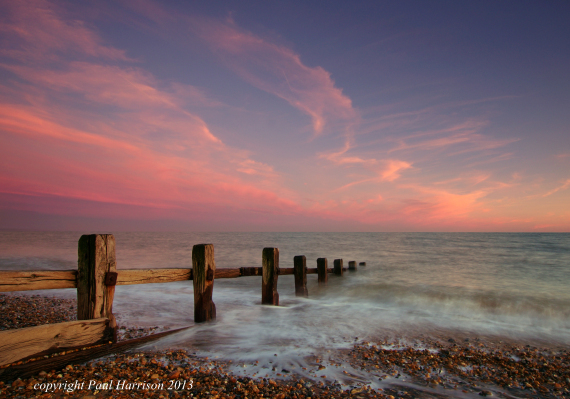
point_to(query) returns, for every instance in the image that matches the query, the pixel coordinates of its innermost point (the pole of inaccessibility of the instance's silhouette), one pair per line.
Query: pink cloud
(149, 152)
(278, 70)
(563, 187)
(21, 121)
(393, 169)
(39, 33)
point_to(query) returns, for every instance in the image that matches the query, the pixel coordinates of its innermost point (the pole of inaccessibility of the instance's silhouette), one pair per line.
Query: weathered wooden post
(300, 271)
(203, 271)
(96, 278)
(338, 267)
(362, 264)
(352, 265)
(270, 273)
(323, 271)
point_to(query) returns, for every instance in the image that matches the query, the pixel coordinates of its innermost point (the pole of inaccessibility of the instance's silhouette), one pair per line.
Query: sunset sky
(285, 115)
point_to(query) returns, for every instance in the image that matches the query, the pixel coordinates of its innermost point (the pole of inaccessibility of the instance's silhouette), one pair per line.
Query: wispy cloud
(113, 133)
(278, 70)
(393, 169)
(36, 31)
(83, 122)
(563, 187)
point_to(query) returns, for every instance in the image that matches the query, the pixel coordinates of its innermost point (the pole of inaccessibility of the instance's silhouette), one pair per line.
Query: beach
(430, 315)
(431, 367)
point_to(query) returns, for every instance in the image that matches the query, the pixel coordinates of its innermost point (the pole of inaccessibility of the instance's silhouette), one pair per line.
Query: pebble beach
(429, 368)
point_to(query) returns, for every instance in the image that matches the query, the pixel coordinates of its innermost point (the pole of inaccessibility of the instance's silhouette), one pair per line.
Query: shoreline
(433, 366)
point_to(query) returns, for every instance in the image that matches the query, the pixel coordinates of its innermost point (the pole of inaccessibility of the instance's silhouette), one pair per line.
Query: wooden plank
(300, 272)
(286, 270)
(251, 271)
(24, 342)
(37, 280)
(151, 276)
(270, 273)
(312, 270)
(228, 273)
(204, 269)
(322, 268)
(79, 354)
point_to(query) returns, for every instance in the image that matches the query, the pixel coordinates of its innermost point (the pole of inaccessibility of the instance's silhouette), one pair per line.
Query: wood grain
(37, 280)
(96, 257)
(151, 276)
(83, 355)
(228, 273)
(204, 270)
(24, 342)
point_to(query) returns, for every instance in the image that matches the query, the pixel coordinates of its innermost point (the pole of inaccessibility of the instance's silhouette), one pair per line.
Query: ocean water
(514, 285)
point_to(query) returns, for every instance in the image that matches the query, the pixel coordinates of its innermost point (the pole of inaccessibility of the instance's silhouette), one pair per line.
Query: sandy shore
(437, 367)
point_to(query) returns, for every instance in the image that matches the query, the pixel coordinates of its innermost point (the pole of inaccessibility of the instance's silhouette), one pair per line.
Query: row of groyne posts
(96, 277)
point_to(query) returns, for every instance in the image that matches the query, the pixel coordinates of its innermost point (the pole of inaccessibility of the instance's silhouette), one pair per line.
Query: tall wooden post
(352, 265)
(270, 273)
(323, 271)
(300, 271)
(203, 271)
(96, 277)
(338, 267)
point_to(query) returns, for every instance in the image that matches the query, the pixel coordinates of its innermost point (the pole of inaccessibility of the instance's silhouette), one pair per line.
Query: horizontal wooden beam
(150, 276)
(251, 271)
(76, 355)
(227, 273)
(25, 342)
(53, 279)
(37, 280)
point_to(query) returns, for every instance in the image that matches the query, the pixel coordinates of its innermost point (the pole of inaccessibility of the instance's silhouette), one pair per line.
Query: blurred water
(512, 285)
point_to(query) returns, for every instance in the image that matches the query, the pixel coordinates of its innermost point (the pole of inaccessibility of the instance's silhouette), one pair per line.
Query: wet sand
(421, 367)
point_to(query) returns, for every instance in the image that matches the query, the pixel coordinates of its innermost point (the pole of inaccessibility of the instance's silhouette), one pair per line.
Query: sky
(285, 116)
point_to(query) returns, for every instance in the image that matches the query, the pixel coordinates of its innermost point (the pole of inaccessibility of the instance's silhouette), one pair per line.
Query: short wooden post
(322, 270)
(270, 273)
(203, 271)
(352, 265)
(362, 264)
(300, 271)
(338, 267)
(96, 277)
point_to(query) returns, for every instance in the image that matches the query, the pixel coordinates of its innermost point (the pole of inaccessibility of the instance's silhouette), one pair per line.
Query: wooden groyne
(97, 276)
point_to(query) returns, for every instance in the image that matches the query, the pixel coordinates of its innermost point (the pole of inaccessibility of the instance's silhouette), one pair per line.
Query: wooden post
(352, 265)
(96, 266)
(300, 271)
(270, 273)
(203, 271)
(338, 267)
(322, 269)
(362, 264)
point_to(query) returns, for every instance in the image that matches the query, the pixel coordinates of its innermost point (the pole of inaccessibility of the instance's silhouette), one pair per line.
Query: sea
(510, 286)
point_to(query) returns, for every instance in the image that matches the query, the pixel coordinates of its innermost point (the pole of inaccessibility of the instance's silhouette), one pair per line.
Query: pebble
(514, 370)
